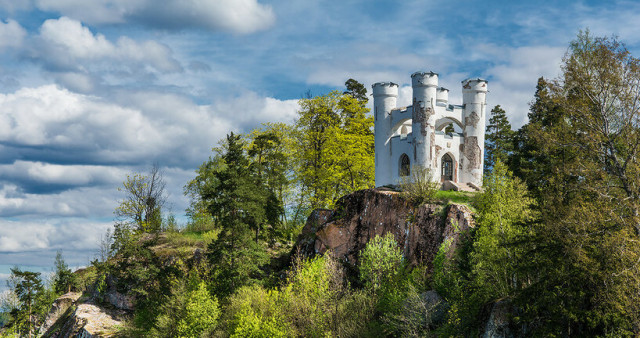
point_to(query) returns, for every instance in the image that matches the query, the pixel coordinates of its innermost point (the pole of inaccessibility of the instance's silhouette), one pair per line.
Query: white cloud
(142, 127)
(513, 81)
(236, 16)
(11, 34)
(73, 175)
(79, 202)
(47, 235)
(66, 43)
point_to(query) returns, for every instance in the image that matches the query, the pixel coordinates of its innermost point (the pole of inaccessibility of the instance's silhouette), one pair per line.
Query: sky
(91, 91)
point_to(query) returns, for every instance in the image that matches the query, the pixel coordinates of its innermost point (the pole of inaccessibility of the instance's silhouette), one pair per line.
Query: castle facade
(406, 137)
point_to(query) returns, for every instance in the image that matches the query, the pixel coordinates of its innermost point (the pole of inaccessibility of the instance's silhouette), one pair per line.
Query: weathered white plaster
(418, 130)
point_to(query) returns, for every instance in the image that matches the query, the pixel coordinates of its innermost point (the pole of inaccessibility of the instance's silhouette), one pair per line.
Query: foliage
(143, 201)
(499, 138)
(335, 147)
(419, 187)
(201, 313)
(504, 208)
(63, 279)
(356, 90)
(380, 262)
(315, 302)
(28, 288)
(254, 312)
(228, 188)
(585, 247)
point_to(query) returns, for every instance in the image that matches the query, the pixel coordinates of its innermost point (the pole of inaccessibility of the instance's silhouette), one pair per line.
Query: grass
(450, 196)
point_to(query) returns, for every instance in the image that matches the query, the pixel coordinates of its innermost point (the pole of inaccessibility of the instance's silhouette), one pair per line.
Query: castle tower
(385, 96)
(424, 87)
(474, 95)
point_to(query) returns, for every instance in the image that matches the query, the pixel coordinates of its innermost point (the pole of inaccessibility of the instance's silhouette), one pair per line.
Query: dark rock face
(500, 323)
(362, 215)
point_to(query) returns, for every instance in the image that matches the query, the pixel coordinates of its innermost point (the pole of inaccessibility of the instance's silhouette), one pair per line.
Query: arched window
(403, 132)
(405, 165)
(447, 168)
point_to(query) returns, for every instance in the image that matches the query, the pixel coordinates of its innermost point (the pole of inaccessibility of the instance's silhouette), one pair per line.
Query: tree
(380, 261)
(63, 278)
(504, 209)
(105, 250)
(201, 313)
(144, 199)
(499, 143)
(27, 287)
(269, 163)
(537, 146)
(585, 248)
(227, 189)
(336, 153)
(356, 90)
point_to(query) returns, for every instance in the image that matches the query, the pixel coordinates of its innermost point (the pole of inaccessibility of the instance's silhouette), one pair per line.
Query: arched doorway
(447, 168)
(405, 165)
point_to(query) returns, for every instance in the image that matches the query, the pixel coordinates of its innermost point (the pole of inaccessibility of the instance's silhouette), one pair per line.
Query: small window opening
(405, 165)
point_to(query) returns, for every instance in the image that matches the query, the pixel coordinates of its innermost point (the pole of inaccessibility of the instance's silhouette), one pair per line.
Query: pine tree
(28, 287)
(63, 279)
(228, 189)
(499, 138)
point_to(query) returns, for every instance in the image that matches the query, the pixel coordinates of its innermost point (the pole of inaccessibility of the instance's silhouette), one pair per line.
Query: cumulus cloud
(78, 202)
(39, 176)
(513, 79)
(43, 234)
(65, 44)
(236, 16)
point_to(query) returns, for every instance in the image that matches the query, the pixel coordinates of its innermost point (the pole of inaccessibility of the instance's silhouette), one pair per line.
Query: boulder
(362, 215)
(435, 308)
(500, 323)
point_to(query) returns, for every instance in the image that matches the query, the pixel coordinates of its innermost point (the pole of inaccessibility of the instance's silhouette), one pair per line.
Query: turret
(474, 95)
(442, 95)
(385, 96)
(423, 125)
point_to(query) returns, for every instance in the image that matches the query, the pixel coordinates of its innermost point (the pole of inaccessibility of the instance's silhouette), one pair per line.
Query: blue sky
(93, 90)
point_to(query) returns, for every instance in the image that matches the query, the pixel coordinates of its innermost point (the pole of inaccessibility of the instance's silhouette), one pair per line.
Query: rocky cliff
(360, 216)
(74, 316)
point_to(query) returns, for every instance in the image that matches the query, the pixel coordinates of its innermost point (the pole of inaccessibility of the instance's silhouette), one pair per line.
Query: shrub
(380, 262)
(418, 187)
(201, 313)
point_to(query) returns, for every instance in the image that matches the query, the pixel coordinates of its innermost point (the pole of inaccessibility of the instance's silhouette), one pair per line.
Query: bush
(418, 187)
(201, 313)
(380, 262)
(315, 302)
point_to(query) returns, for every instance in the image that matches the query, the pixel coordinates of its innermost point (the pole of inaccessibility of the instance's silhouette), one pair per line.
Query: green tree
(504, 209)
(144, 199)
(28, 288)
(499, 137)
(269, 163)
(536, 145)
(201, 313)
(585, 248)
(356, 90)
(380, 261)
(228, 189)
(335, 153)
(63, 278)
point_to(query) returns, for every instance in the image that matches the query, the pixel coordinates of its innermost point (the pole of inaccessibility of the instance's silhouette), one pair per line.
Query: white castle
(411, 136)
